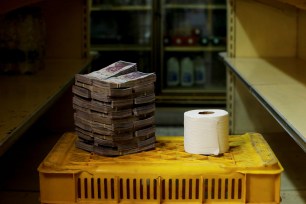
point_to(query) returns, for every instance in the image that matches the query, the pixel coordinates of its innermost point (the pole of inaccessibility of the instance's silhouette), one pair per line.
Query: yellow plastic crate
(249, 173)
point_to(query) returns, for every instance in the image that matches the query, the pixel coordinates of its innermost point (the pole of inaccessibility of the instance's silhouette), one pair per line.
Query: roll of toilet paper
(206, 131)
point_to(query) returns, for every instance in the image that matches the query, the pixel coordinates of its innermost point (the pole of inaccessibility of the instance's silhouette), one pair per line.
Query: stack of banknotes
(114, 110)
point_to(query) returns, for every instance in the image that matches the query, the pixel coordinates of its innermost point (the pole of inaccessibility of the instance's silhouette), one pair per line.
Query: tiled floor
(19, 182)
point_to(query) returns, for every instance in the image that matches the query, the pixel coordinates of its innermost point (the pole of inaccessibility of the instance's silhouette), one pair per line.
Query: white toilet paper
(206, 131)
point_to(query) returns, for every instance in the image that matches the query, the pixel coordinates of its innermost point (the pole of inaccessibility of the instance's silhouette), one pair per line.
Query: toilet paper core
(206, 131)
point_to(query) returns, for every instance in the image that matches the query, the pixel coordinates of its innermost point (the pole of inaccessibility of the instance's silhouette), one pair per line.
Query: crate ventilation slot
(160, 189)
(100, 188)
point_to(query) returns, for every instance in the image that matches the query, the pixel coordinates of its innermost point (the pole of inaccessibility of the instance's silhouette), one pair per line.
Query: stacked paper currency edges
(114, 110)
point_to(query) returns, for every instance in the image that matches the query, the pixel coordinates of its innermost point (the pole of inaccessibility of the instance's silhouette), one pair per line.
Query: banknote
(114, 69)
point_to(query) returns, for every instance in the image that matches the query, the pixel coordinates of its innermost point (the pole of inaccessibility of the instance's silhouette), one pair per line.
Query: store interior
(198, 50)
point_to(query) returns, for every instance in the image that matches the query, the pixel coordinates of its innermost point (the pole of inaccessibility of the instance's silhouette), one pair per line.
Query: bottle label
(199, 75)
(172, 77)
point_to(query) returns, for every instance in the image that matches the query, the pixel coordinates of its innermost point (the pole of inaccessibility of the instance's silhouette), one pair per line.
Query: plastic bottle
(204, 41)
(167, 40)
(187, 72)
(215, 41)
(173, 72)
(200, 71)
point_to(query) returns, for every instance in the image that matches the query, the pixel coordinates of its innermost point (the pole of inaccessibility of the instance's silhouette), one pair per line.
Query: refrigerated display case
(178, 40)
(193, 33)
(122, 30)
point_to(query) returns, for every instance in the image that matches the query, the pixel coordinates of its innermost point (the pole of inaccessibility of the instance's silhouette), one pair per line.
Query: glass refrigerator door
(193, 34)
(122, 30)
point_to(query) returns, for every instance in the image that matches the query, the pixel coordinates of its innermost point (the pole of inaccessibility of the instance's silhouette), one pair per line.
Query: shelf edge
(296, 136)
(32, 118)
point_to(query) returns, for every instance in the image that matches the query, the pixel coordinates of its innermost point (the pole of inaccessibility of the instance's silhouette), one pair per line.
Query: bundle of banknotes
(114, 110)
